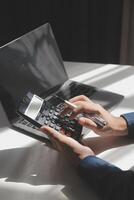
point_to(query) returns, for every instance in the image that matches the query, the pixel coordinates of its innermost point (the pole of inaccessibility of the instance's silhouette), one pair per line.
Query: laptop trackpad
(107, 99)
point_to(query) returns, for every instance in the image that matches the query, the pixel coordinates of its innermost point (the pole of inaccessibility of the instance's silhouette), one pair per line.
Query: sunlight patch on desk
(105, 76)
(93, 73)
(3, 179)
(21, 191)
(34, 175)
(112, 76)
(100, 73)
(123, 88)
(120, 156)
(127, 105)
(11, 139)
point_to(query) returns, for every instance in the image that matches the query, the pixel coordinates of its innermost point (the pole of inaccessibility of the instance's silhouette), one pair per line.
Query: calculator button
(25, 122)
(47, 118)
(50, 116)
(46, 122)
(41, 121)
(49, 122)
(51, 125)
(57, 109)
(57, 128)
(56, 113)
(55, 117)
(43, 118)
(53, 121)
(71, 129)
(46, 113)
(68, 134)
(59, 124)
(30, 125)
(35, 127)
(67, 120)
(72, 122)
(52, 107)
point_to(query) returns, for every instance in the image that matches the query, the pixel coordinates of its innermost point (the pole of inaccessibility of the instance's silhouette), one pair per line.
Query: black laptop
(32, 65)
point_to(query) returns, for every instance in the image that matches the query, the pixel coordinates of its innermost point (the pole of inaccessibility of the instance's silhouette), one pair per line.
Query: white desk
(30, 170)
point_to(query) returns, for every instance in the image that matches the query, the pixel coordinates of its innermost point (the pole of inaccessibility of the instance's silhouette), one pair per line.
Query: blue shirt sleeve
(107, 180)
(129, 117)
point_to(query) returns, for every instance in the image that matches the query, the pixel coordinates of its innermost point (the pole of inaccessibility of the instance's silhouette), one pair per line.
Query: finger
(55, 137)
(54, 143)
(93, 126)
(52, 133)
(86, 106)
(57, 145)
(76, 110)
(58, 136)
(82, 107)
(79, 98)
(66, 111)
(88, 123)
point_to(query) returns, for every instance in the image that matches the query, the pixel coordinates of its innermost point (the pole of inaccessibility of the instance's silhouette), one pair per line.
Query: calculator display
(34, 107)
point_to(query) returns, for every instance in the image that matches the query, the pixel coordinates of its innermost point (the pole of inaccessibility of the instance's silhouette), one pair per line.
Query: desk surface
(31, 170)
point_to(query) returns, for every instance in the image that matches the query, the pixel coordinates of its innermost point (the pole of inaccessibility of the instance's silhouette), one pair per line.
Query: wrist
(85, 151)
(120, 126)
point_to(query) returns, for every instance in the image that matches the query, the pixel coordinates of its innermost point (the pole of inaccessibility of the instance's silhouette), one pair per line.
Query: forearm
(108, 181)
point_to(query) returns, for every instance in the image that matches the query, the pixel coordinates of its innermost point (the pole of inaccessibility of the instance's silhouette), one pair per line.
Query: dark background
(85, 30)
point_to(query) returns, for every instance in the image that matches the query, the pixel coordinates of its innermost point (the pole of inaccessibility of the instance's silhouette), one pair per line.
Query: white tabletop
(118, 79)
(31, 170)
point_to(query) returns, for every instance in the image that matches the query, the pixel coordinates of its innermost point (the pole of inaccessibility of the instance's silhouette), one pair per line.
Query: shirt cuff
(129, 117)
(97, 165)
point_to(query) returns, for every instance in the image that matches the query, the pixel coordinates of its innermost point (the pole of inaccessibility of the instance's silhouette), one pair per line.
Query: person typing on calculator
(107, 180)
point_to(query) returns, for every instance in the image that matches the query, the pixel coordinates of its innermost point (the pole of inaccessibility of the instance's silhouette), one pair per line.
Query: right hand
(114, 126)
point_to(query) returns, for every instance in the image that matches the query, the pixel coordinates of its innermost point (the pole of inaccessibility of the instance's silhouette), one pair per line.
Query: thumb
(49, 131)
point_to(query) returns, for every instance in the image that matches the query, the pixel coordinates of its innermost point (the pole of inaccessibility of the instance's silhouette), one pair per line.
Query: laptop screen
(31, 63)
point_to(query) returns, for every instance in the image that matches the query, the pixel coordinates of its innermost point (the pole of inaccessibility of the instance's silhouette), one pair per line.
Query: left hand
(70, 147)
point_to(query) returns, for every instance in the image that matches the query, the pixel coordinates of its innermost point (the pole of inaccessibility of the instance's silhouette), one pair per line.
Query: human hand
(114, 125)
(67, 145)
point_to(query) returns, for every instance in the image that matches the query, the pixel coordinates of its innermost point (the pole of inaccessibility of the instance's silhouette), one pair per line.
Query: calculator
(38, 112)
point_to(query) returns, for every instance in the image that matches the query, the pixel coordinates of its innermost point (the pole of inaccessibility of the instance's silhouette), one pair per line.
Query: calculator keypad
(50, 116)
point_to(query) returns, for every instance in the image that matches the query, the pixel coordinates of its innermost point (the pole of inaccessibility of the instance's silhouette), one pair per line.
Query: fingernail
(42, 127)
(81, 120)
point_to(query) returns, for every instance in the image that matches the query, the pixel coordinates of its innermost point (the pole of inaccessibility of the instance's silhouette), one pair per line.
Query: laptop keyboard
(75, 89)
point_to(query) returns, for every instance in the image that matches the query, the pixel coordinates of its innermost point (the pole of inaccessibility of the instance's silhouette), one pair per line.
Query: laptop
(33, 63)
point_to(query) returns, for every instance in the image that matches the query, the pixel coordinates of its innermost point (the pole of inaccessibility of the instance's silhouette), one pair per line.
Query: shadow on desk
(28, 171)
(103, 143)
